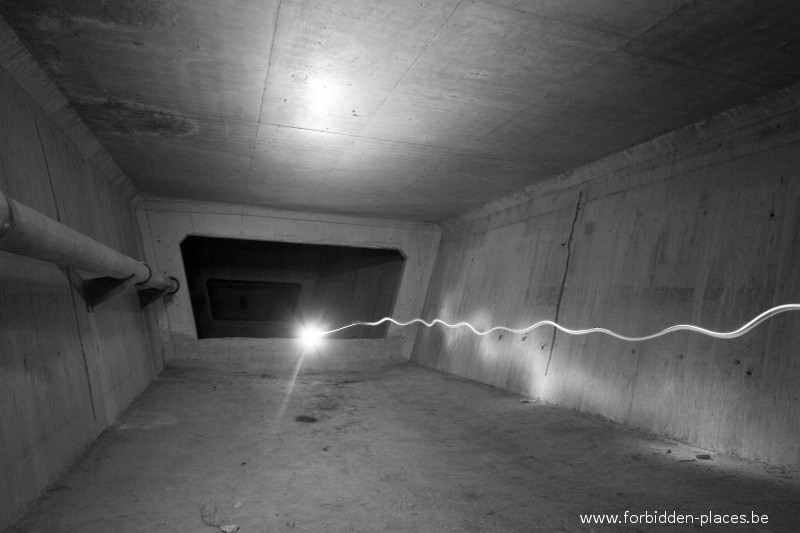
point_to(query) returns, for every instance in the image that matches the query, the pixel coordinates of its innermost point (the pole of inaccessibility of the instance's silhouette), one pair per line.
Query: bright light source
(310, 336)
(324, 98)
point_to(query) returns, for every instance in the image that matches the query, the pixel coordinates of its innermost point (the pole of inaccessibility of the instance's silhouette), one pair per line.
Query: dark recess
(266, 289)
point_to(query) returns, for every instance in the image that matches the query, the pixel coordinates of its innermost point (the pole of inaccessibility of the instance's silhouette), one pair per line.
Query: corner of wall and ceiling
(776, 103)
(19, 63)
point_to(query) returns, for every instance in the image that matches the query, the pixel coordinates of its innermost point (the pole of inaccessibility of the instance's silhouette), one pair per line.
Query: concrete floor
(396, 448)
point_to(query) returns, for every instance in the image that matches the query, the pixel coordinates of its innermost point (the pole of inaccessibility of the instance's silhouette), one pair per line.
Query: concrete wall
(700, 226)
(166, 223)
(368, 287)
(65, 373)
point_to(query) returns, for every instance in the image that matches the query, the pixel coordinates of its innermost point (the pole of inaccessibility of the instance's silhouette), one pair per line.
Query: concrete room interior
(626, 164)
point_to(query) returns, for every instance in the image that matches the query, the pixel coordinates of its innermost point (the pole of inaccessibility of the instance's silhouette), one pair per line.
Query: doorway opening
(268, 289)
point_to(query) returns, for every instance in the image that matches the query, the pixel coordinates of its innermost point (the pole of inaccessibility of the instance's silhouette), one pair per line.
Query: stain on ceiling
(415, 110)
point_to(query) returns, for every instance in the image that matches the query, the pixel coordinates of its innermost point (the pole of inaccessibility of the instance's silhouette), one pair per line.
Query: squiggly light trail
(680, 327)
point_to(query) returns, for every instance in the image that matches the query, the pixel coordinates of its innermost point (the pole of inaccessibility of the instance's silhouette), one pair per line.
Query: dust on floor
(399, 448)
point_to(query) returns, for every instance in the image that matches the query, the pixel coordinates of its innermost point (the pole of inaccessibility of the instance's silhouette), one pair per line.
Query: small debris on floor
(229, 528)
(210, 515)
(703, 456)
(305, 418)
(428, 435)
(348, 382)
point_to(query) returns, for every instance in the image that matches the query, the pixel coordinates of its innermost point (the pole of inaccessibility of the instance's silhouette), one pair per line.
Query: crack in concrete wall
(67, 274)
(564, 279)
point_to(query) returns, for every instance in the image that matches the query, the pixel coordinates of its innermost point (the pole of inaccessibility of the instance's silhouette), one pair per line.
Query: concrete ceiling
(416, 110)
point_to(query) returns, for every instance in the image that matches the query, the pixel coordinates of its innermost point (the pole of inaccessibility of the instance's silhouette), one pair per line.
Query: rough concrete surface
(65, 373)
(707, 233)
(415, 110)
(397, 448)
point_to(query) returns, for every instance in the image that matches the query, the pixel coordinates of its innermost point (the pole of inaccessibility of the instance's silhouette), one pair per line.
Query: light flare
(311, 336)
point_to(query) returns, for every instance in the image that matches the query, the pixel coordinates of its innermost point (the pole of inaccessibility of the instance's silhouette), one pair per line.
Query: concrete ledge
(173, 205)
(286, 355)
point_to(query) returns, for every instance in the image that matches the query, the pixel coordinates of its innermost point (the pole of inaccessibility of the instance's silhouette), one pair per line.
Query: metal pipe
(26, 232)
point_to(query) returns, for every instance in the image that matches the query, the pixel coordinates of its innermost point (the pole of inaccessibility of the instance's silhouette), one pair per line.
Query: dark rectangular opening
(265, 289)
(252, 300)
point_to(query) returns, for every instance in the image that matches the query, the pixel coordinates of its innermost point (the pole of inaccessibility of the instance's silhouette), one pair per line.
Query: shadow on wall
(264, 289)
